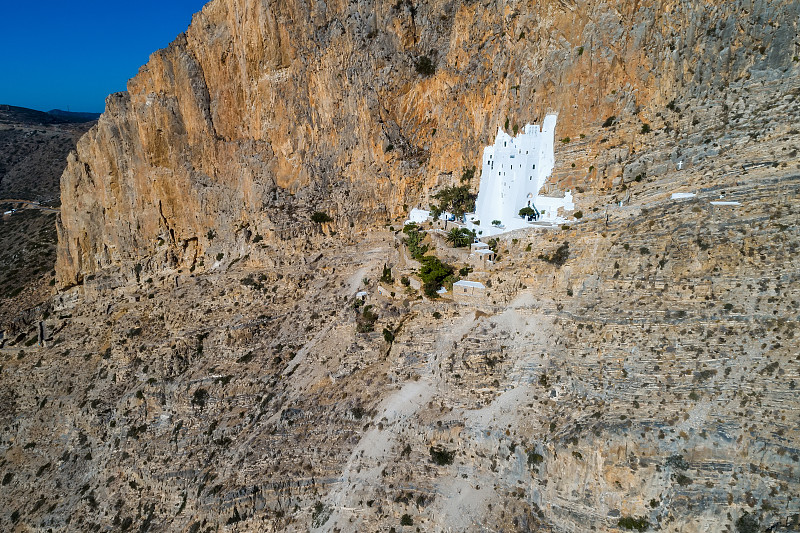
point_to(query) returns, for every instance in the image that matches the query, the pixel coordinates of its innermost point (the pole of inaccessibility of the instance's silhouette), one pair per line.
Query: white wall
(513, 172)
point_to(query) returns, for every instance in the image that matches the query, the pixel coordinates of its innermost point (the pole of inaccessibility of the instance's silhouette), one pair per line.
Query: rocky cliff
(634, 370)
(262, 113)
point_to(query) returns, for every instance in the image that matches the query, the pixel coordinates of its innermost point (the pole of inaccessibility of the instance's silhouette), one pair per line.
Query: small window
(505, 143)
(534, 167)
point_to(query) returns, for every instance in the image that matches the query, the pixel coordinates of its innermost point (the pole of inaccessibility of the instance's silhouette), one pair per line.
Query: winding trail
(29, 204)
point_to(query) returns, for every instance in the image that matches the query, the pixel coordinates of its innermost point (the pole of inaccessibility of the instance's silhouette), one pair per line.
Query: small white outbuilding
(468, 288)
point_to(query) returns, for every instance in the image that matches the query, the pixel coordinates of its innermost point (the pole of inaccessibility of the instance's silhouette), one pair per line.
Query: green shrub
(747, 523)
(609, 121)
(366, 320)
(677, 461)
(559, 257)
(320, 218)
(645, 128)
(320, 515)
(441, 456)
(200, 397)
(425, 66)
(631, 523)
(534, 458)
(406, 520)
(578, 214)
(388, 336)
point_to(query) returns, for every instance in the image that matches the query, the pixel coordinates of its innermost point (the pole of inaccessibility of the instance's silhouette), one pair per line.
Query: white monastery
(514, 171)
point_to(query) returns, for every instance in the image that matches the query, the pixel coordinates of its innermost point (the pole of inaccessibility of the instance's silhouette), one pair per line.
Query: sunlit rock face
(263, 112)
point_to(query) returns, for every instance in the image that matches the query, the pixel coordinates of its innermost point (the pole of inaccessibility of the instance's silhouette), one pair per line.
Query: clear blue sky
(73, 53)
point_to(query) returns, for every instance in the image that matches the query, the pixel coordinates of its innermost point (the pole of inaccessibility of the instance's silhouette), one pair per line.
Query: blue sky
(75, 53)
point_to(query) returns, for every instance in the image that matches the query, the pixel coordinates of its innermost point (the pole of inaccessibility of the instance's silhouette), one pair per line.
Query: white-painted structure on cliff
(514, 171)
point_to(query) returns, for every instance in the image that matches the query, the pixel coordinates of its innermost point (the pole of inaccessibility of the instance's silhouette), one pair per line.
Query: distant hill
(74, 116)
(10, 114)
(33, 150)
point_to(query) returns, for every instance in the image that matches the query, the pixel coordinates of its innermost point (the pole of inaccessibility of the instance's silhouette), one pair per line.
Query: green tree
(455, 199)
(414, 239)
(527, 212)
(386, 276)
(434, 273)
(460, 237)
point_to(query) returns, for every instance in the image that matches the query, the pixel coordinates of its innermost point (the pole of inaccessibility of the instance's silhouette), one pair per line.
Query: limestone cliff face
(263, 112)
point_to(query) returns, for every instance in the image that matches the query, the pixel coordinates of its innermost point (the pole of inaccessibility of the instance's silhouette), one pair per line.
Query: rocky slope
(211, 371)
(33, 149)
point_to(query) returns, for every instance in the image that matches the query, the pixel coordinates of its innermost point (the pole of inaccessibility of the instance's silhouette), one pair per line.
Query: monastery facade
(514, 171)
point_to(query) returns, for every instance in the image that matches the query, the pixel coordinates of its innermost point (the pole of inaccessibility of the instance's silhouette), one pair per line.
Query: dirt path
(28, 204)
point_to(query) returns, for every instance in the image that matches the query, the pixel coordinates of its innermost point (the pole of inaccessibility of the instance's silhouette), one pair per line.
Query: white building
(514, 171)
(468, 288)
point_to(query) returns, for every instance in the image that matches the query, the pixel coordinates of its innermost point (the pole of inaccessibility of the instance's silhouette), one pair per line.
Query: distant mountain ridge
(22, 115)
(74, 116)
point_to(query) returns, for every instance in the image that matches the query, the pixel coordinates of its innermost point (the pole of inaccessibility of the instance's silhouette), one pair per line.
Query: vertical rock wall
(263, 112)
